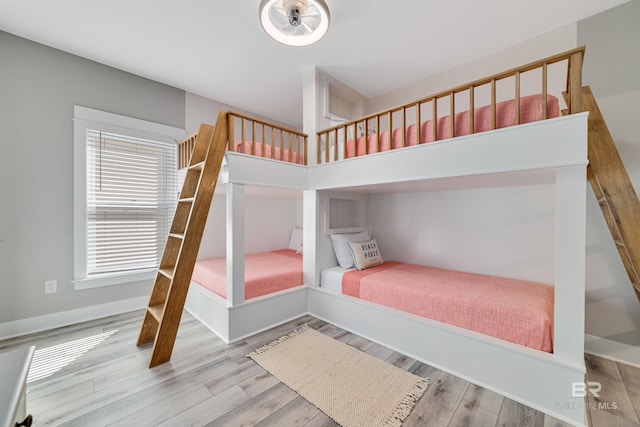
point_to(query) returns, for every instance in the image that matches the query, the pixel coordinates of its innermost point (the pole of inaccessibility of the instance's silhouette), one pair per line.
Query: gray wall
(38, 89)
(612, 69)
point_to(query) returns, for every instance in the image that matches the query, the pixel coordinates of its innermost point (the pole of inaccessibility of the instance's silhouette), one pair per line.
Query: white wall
(541, 47)
(39, 87)
(498, 231)
(268, 222)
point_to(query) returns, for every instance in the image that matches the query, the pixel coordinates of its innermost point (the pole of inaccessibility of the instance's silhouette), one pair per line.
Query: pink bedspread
(509, 309)
(530, 111)
(264, 273)
(295, 158)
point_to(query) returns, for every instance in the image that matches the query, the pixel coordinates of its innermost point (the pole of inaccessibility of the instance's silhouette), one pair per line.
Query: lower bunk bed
(273, 294)
(513, 310)
(506, 335)
(491, 331)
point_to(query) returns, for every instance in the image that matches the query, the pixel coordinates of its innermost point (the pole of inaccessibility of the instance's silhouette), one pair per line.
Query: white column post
(235, 243)
(570, 254)
(310, 228)
(310, 112)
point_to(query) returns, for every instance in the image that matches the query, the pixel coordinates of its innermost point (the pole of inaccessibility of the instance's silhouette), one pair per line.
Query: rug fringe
(405, 406)
(278, 341)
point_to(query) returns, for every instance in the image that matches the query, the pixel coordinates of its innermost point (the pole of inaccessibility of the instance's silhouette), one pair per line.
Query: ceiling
(217, 49)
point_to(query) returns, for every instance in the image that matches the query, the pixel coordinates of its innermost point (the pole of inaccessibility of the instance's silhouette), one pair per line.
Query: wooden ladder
(613, 189)
(169, 292)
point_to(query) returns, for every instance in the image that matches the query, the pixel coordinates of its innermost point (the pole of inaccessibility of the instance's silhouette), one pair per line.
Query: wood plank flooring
(92, 374)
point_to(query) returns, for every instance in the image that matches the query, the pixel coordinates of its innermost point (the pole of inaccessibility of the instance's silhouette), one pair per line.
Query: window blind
(131, 197)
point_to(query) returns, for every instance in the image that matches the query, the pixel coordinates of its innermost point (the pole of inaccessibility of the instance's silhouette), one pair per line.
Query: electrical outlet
(50, 286)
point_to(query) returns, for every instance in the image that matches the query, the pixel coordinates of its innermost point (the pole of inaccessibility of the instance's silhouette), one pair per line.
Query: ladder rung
(176, 235)
(156, 311)
(186, 200)
(620, 243)
(198, 165)
(167, 272)
(602, 200)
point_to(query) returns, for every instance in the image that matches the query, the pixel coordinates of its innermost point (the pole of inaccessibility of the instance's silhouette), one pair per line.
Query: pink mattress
(264, 273)
(530, 111)
(246, 149)
(509, 309)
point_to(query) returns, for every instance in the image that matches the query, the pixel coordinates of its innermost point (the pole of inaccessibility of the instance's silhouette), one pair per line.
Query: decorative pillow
(341, 246)
(295, 241)
(366, 254)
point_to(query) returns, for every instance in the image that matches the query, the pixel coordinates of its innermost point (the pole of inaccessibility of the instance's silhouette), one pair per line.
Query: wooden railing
(185, 148)
(268, 140)
(260, 137)
(412, 113)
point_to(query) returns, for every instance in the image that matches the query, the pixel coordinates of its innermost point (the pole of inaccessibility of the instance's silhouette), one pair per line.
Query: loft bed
(242, 293)
(539, 148)
(403, 120)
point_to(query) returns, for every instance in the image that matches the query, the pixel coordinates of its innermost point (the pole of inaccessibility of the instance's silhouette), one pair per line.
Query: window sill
(101, 280)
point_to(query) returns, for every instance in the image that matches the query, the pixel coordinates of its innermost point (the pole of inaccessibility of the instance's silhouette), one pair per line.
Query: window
(125, 196)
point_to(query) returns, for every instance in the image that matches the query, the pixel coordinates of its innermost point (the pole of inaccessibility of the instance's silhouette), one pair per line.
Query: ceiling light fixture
(295, 22)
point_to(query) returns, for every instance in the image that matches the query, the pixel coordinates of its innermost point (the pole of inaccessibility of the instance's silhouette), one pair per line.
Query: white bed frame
(550, 151)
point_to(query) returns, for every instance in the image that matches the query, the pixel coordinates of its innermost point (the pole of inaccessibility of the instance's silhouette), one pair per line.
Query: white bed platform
(550, 152)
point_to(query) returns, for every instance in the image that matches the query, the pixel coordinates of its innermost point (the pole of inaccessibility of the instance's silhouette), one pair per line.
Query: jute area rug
(351, 387)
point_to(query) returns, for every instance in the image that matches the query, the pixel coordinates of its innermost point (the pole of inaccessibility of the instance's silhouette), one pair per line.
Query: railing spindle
(390, 127)
(264, 141)
(434, 119)
(232, 125)
(472, 110)
(273, 143)
(378, 133)
(518, 97)
(290, 147)
(243, 135)
(452, 114)
(418, 122)
(493, 103)
(282, 145)
(404, 126)
(335, 144)
(306, 147)
(544, 91)
(253, 138)
(344, 140)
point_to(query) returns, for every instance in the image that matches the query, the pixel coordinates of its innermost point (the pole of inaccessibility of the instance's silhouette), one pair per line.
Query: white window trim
(87, 118)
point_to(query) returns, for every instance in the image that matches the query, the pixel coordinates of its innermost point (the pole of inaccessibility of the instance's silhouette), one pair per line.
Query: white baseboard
(64, 318)
(619, 352)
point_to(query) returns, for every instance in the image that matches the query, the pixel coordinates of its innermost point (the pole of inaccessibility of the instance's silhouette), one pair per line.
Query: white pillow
(295, 241)
(341, 246)
(366, 254)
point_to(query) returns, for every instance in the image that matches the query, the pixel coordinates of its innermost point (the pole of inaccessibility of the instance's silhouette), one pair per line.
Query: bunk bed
(463, 151)
(548, 147)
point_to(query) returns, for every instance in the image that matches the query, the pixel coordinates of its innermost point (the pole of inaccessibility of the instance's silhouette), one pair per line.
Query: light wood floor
(92, 374)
